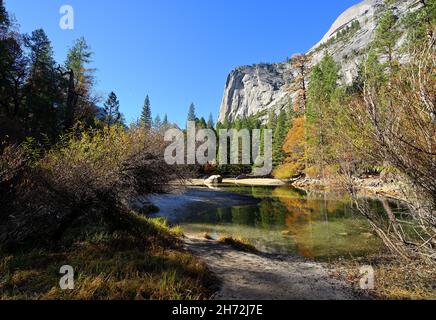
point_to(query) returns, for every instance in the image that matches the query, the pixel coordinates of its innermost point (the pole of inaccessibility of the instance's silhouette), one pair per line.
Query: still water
(290, 221)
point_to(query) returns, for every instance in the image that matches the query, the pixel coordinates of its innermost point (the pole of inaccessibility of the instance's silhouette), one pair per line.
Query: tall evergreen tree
(78, 58)
(386, 37)
(112, 110)
(4, 19)
(280, 132)
(191, 113)
(13, 68)
(165, 122)
(146, 120)
(201, 123)
(157, 123)
(43, 94)
(80, 104)
(322, 90)
(272, 120)
(210, 122)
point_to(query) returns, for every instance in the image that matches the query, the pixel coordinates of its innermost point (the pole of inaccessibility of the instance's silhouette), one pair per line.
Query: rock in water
(214, 180)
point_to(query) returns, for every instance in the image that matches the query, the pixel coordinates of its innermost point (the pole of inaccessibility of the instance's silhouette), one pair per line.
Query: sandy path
(247, 276)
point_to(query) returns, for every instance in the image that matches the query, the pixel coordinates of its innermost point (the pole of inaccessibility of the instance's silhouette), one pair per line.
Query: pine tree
(165, 122)
(4, 19)
(42, 89)
(201, 123)
(210, 123)
(191, 113)
(78, 57)
(386, 37)
(146, 120)
(13, 68)
(280, 133)
(157, 123)
(272, 120)
(322, 90)
(112, 110)
(81, 105)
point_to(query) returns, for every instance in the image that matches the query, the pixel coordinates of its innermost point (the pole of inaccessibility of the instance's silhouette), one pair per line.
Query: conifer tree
(157, 123)
(210, 123)
(191, 113)
(386, 37)
(81, 105)
(112, 110)
(322, 90)
(42, 89)
(146, 120)
(13, 69)
(165, 122)
(280, 133)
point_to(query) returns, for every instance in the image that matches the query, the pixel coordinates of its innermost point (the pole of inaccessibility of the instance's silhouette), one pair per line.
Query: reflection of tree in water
(304, 213)
(313, 225)
(244, 215)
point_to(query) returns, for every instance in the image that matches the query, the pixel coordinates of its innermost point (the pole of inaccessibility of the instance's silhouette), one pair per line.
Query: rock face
(252, 89)
(255, 89)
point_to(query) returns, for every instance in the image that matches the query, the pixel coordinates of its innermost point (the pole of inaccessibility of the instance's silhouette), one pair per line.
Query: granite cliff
(255, 89)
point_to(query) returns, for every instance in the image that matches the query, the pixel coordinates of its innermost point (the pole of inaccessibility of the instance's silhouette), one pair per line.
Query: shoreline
(255, 182)
(366, 187)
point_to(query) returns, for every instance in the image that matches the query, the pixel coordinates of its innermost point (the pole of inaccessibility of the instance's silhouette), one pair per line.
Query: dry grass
(394, 279)
(238, 243)
(109, 266)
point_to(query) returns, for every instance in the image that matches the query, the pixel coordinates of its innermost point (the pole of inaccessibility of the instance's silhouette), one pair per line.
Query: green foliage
(4, 16)
(191, 113)
(39, 98)
(112, 113)
(146, 120)
(210, 123)
(280, 132)
(42, 89)
(420, 24)
(78, 57)
(386, 37)
(157, 123)
(322, 91)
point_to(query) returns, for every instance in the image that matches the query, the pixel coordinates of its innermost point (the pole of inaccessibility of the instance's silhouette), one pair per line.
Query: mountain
(252, 90)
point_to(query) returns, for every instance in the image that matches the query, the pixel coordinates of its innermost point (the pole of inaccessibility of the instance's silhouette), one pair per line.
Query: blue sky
(179, 51)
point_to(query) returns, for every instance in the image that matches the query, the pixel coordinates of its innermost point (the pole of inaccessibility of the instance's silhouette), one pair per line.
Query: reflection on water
(290, 221)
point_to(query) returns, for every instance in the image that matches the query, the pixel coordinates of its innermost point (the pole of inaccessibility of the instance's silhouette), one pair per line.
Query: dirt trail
(247, 276)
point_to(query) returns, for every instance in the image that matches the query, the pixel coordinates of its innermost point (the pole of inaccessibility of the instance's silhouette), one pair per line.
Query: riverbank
(147, 262)
(255, 182)
(393, 278)
(366, 187)
(260, 276)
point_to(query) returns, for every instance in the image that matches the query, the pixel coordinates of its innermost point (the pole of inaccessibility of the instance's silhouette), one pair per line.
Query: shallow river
(280, 220)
